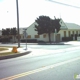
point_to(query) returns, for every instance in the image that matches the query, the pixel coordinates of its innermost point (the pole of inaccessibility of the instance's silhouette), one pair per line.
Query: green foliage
(56, 25)
(9, 31)
(13, 31)
(46, 25)
(4, 32)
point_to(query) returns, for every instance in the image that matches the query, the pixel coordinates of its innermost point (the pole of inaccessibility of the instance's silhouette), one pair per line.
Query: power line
(63, 4)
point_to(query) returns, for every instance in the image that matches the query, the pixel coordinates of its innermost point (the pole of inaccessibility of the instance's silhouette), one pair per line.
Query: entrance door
(58, 38)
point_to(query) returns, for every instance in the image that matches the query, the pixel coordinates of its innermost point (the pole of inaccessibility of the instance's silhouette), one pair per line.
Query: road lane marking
(39, 69)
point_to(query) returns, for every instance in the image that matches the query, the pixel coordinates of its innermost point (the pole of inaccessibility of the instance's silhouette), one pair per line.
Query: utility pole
(18, 23)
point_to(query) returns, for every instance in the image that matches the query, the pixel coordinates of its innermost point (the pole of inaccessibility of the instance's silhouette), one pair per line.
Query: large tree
(46, 25)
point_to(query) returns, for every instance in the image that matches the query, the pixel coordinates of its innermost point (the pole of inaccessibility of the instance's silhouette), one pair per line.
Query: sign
(25, 33)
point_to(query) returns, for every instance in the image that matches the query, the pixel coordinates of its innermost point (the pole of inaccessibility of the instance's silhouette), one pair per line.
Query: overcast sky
(29, 10)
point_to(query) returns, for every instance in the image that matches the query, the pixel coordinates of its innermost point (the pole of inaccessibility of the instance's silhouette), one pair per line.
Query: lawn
(3, 48)
(7, 53)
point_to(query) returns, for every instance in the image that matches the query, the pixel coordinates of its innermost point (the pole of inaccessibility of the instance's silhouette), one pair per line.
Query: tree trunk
(49, 38)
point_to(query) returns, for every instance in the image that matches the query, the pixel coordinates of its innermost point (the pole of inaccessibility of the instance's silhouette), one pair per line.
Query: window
(36, 36)
(76, 32)
(64, 33)
(73, 32)
(29, 36)
(79, 32)
(69, 33)
(44, 35)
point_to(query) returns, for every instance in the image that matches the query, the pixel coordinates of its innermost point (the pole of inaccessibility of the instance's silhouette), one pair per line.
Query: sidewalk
(73, 42)
(38, 52)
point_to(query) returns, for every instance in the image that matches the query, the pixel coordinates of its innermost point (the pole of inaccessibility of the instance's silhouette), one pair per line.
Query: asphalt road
(50, 47)
(61, 66)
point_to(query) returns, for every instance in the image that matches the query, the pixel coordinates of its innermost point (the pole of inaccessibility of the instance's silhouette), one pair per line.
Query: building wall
(0, 32)
(32, 34)
(61, 32)
(44, 37)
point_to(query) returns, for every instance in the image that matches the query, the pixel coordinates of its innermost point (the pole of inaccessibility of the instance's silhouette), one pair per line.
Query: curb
(14, 55)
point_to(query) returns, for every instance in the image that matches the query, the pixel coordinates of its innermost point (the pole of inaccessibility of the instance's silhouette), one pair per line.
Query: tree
(56, 24)
(13, 32)
(8, 31)
(46, 25)
(4, 32)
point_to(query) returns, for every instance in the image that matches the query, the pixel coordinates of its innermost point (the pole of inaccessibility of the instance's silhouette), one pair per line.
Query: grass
(10, 46)
(2, 48)
(6, 53)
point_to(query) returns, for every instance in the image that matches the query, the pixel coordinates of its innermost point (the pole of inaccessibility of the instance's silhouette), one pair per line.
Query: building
(67, 30)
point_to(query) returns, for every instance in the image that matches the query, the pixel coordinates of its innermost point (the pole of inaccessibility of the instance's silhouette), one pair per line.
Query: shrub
(5, 40)
(67, 38)
(40, 41)
(29, 40)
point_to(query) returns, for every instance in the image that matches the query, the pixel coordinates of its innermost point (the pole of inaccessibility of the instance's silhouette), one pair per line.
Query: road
(60, 66)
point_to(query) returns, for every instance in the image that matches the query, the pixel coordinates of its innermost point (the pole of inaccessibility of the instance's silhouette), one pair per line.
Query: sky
(29, 10)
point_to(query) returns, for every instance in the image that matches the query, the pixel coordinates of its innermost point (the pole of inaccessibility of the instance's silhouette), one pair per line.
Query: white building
(67, 29)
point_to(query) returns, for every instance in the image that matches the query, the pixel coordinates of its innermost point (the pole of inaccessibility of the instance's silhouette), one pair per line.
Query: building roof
(72, 26)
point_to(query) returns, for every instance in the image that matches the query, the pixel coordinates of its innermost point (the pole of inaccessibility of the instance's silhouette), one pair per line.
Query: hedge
(67, 38)
(29, 40)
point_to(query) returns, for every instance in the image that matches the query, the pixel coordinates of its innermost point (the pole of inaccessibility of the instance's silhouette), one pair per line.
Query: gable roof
(64, 25)
(72, 26)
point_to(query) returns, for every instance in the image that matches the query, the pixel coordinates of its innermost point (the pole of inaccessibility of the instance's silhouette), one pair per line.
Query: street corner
(20, 52)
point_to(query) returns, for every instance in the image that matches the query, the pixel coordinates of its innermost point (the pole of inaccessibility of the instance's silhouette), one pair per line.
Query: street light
(18, 22)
